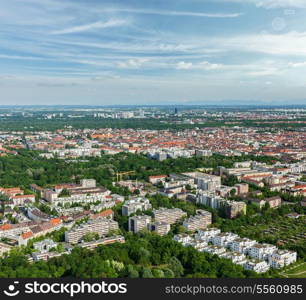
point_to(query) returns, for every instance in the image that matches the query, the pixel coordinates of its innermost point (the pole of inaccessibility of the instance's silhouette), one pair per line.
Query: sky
(96, 52)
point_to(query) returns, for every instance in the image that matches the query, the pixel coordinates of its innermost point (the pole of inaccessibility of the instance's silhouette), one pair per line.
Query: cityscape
(226, 183)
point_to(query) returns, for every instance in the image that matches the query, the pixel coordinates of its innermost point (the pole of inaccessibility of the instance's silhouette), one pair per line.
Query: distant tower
(175, 111)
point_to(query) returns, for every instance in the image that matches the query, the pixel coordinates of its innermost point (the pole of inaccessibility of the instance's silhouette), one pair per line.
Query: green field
(298, 270)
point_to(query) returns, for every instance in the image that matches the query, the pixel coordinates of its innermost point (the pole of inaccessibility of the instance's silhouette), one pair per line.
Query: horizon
(183, 52)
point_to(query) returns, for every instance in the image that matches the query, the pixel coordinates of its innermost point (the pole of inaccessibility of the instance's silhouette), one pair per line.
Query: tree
(176, 266)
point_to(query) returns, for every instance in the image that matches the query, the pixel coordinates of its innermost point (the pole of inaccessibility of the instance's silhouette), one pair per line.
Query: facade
(160, 228)
(242, 245)
(44, 246)
(256, 266)
(201, 220)
(242, 188)
(207, 234)
(131, 206)
(261, 251)
(282, 258)
(100, 226)
(224, 239)
(168, 215)
(139, 223)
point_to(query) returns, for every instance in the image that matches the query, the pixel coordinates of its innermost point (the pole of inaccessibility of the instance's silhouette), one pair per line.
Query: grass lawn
(296, 271)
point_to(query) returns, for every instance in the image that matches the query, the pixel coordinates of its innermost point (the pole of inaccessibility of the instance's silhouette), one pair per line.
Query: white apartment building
(281, 258)
(207, 234)
(256, 266)
(242, 245)
(212, 249)
(131, 206)
(235, 257)
(184, 239)
(261, 251)
(224, 239)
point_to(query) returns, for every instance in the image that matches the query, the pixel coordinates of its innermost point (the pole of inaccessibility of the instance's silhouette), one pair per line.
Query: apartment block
(138, 223)
(131, 206)
(242, 245)
(168, 215)
(161, 228)
(256, 266)
(281, 258)
(101, 226)
(261, 251)
(224, 239)
(201, 220)
(207, 234)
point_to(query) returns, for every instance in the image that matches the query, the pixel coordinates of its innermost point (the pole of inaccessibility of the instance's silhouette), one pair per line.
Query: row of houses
(248, 253)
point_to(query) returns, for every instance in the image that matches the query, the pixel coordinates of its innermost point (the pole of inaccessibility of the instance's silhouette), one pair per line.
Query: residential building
(139, 223)
(168, 215)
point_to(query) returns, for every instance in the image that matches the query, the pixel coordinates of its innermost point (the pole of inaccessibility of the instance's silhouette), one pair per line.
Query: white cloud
(273, 3)
(204, 65)
(176, 13)
(297, 65)
(132, 63)
(184, 66)
(91, 26)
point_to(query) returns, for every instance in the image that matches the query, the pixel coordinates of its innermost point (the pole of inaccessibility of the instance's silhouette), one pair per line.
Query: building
(242, 188)
(101, 226)
(139, 223)
(201, 220)
(36, 215)
(256, 266)
(242, 245)
(205, 181)
(105, 241)
(4, 248)
(44, 246)
(261, 251)
(234, 209)
(207, 234)
(138, 203)
(224, 239)
(281, 258)
(168, 215)
(160, 228)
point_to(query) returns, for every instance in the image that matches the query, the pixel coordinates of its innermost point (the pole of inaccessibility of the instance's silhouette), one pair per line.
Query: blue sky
(152, 52)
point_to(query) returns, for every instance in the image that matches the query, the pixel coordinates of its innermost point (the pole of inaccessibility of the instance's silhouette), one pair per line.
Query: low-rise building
(257, 266)
(281, 258)
(224, 239)
(261, 251)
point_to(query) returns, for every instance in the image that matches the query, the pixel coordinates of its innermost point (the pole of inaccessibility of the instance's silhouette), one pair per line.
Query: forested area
(28, 167)
(39, 123)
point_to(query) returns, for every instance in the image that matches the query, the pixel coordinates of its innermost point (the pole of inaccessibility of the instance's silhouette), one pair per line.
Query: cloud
(204, 65)
(91, 26)
(269, 4)
(177, 13)
(132, 63)
(297, 65)
(17, 57)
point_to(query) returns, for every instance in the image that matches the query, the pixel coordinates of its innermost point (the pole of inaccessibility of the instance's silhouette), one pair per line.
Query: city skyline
(181, 52)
